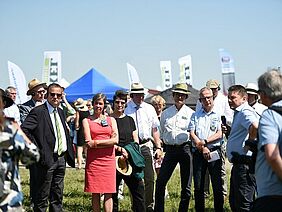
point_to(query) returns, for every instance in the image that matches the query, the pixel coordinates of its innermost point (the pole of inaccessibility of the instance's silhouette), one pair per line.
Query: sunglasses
(88, 105)
(119, 102)
(59, 95)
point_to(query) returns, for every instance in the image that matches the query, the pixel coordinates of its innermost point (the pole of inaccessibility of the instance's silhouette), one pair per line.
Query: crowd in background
(129, 140)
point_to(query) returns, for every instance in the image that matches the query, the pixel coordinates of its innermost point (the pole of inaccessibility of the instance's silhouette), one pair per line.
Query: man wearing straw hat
(174, 132)
(37, 91)
(147, 124)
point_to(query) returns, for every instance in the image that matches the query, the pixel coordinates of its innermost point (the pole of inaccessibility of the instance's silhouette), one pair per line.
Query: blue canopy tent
(89, 84)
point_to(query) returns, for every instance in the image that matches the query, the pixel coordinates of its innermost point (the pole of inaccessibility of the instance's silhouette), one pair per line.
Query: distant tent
(89, 84)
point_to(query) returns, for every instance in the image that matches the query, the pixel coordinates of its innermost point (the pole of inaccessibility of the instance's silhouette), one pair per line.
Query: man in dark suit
(45, 125)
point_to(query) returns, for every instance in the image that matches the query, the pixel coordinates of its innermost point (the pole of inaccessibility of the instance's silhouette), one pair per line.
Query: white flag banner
(52, 69)
(132, 74)
(17, 80)
(227, 69)
(166, 74)
(185, 75)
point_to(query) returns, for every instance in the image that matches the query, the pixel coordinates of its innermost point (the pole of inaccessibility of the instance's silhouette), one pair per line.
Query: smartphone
(223, 120)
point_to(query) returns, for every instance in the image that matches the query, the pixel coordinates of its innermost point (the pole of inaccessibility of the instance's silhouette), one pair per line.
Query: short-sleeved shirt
(205, 125)
(270, 132)
(221, 107)
(145, 118)
(244, 116)
(174, 125)
(126, 126)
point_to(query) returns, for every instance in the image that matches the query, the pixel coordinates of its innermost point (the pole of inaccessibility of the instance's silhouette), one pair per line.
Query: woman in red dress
(101, 135)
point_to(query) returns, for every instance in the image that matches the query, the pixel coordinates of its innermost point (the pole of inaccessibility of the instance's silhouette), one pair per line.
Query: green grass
(75, 200)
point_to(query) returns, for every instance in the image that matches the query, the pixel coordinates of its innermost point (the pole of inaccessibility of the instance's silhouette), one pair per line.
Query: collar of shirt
(241, 107)
(50, 107)
(210, 112)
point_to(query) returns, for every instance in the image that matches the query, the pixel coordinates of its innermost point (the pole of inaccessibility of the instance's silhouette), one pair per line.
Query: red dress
(100, 168)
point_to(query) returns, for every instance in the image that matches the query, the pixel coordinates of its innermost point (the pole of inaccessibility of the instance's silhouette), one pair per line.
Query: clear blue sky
(107, 34)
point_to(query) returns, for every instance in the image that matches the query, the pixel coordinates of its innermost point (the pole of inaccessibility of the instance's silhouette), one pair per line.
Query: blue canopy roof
(89, 84)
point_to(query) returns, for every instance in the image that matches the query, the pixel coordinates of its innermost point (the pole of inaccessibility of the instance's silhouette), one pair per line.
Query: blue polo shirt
(244, 116)
(270, 131)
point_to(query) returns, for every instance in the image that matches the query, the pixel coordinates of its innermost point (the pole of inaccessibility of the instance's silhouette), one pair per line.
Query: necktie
(139, 123)
(59, 135)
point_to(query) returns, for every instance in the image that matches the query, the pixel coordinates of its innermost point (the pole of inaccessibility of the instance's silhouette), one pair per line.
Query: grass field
(75, 200)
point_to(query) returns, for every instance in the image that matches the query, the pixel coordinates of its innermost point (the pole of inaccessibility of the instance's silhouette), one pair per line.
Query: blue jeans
(242, 188)
(200, 166)
(174, 155)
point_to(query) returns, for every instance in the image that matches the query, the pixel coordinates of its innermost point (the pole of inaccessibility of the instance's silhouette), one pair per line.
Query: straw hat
(181, 88)
(213, 83)
(34, 83)
(7, 101)
(137, 87)
(251, 88)
(123, 166)
(80, 104)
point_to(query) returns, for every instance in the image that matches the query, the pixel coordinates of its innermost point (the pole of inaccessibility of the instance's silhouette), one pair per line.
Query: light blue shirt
(205, 125)
(244, 116)
(270, 132)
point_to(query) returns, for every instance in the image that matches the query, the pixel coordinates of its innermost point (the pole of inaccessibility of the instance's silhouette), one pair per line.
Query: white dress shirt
(145, 118)
(62, 130)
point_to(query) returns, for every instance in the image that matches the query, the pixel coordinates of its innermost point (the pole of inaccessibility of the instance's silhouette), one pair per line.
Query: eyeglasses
(119, 102)
(59, 95)
(88, 105)
(206, 98)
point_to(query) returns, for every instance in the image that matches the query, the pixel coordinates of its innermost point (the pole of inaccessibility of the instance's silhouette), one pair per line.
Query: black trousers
(50, 182)
(268, 203)
(174, 155)
(242, 188)
(200, 166)
(136, 188)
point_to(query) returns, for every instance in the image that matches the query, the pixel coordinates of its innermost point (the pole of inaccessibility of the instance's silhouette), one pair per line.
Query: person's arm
(135, 136)
(253, 131)
(70, 109)
(214, 137)
(198, 143)
(157, 141)
(101, 143)
(250, 143)
(274, 159)
(76, 121)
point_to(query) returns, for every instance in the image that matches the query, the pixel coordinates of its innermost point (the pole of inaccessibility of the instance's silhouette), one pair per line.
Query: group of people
(136, 139)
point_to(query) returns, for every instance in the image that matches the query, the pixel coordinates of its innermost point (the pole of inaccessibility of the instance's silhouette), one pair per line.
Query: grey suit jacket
(25, 108)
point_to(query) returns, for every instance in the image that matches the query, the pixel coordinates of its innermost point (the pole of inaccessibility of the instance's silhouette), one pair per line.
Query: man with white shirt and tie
(46, 127)
(147, 124)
